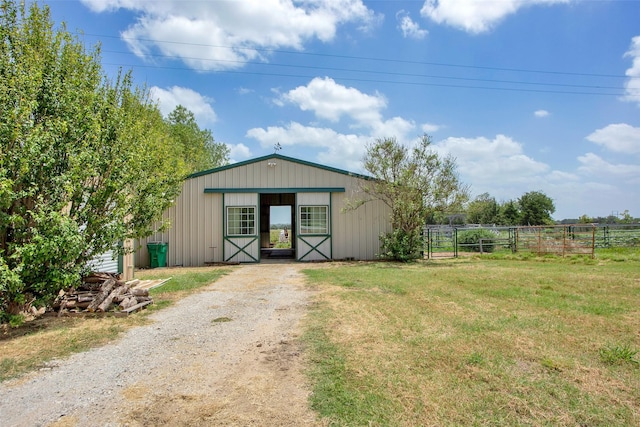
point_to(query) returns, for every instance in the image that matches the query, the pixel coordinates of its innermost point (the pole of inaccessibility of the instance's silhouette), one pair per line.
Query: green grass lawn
(478, 341)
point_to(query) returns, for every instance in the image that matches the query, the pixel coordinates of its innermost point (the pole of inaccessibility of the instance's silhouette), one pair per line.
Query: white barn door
(241, 227)
(313, 237)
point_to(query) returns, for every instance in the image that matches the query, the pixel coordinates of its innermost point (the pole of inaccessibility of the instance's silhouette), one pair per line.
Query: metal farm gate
(558, 240)
(562, 240)
(440, 242)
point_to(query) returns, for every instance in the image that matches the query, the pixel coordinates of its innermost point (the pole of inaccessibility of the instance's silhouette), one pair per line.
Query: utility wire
(377, 81)
(352, 57)
(388, 73)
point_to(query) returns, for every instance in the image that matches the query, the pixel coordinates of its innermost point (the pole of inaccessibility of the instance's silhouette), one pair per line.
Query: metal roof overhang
(277, 190)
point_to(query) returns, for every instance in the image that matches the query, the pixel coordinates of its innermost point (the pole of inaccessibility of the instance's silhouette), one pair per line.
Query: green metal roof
(278, 157)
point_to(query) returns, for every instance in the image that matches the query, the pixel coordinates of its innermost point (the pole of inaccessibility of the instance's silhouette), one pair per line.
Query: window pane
(314, 220)
(241, 221)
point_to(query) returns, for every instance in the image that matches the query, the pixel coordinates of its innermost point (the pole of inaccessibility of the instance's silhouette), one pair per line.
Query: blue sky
(528, 95)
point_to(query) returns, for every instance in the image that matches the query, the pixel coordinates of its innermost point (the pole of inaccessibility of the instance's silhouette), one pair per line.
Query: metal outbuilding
(222, 214)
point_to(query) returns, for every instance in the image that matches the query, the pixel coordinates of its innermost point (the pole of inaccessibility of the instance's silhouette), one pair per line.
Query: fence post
(428, 236)
(455, 242)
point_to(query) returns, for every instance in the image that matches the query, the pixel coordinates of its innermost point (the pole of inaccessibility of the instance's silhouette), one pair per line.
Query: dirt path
(226, 356)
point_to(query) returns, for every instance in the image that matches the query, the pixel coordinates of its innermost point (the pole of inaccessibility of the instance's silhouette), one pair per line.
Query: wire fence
(561, 240)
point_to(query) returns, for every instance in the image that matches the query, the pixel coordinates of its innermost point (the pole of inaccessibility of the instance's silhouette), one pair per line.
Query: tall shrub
(85, 161)
(469, 240)
(415, 183)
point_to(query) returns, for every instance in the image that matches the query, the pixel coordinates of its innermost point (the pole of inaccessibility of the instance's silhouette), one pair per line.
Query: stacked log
(100, 293)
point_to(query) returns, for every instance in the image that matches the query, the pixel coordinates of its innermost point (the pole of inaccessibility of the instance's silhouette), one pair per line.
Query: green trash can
(157, 254)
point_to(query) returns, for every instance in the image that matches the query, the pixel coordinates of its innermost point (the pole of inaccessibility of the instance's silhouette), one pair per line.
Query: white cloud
(238, 152)
(395, 127)
(632, 86)
(498, 161)
(620, 137)
(430, 128)
(475, 16)
(594, 165)
(343, 150)
(541, 113)
(224, 34)
(559, 176)
(409, 28)
(198, 104)
(330, 100)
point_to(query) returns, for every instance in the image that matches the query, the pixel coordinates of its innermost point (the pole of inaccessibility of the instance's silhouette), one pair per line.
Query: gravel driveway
(225, 356)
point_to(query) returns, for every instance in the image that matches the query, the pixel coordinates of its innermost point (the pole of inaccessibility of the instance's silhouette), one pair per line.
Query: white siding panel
(314, 248)
(105, 263)
(318, 199)
(242, 249)
(241, 199)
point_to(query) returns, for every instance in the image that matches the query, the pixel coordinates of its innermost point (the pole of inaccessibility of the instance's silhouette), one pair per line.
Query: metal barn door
(313, 239)
(241, 227)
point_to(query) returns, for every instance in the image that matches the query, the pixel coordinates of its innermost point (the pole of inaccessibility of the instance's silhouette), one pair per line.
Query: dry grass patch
(35, 344)
(476, 342)
(57, 338)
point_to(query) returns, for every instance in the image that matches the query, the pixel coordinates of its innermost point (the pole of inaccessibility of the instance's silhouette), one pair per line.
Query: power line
(365, 58)
(388, 73)
(380, 81)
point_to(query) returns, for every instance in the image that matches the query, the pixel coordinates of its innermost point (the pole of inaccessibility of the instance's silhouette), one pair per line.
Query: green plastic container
(157, 254)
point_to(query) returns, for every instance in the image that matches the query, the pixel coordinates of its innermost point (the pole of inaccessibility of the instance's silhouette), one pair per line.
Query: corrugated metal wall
(196, 233)
(105, 263)
(356, 233)
(108, 263)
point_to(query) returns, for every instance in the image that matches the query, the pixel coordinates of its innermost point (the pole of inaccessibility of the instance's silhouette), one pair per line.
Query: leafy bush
(402, 246)
(469, 240)
(10, 287)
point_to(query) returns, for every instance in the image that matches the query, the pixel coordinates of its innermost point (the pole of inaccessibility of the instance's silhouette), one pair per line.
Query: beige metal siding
(196, 233)
(356, 233)
(285, 174)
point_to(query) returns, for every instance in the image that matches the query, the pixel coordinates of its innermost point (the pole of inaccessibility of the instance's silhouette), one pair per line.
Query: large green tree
(483, 210)
(509, 213)
(415, 183)
(536, 208)
(199, 149)
(85, 161)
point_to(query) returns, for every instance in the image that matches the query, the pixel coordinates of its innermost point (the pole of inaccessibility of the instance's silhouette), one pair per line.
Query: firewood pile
(101, 293)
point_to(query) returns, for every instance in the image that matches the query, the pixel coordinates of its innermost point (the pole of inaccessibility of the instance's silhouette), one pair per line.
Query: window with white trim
(314, 219)
(241, 220)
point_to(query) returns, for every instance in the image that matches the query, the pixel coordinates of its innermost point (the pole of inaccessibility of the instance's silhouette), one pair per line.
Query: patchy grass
(57, 338)
(477, 341)
(616, 354)
(35, 344)
(184, 281)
